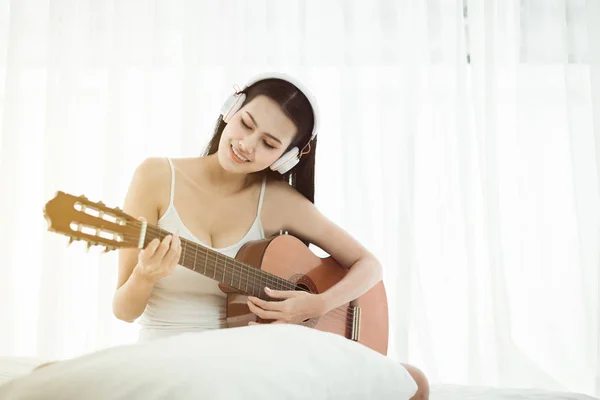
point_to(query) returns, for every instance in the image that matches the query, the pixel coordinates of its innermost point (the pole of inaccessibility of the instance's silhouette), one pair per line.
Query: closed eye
(244, 124)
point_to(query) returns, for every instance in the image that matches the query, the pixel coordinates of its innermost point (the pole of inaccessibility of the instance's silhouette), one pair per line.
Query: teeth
(237, 154)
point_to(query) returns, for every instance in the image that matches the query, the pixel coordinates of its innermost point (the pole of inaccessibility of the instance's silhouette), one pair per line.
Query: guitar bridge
(355, 326)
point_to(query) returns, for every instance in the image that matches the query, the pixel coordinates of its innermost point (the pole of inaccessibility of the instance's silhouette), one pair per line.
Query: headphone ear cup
(232, 105)
(286, 161)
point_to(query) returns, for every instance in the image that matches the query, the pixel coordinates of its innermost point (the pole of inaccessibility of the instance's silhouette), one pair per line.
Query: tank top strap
(172, 182)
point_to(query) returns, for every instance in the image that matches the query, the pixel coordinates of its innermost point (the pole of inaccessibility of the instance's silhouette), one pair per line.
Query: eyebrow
(266, 133)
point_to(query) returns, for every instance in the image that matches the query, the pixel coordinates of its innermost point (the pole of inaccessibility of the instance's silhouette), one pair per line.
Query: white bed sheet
(460, 392)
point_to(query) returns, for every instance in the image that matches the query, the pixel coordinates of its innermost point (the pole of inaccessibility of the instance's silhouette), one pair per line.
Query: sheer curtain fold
(459, 142)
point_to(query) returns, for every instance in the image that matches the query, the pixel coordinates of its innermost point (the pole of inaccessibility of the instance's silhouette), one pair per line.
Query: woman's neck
(225, 181)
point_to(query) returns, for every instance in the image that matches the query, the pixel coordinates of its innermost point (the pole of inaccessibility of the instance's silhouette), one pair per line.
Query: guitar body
(287, 257)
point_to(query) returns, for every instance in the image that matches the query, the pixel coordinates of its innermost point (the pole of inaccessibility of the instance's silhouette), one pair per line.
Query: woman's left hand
(295, 306)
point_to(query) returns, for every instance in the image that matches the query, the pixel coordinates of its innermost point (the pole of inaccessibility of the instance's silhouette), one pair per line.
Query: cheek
(271, 155)
(226, 132)
(233, 130)
(227, 136)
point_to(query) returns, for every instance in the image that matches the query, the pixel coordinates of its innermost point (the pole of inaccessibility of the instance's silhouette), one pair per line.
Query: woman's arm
(134, 286)
(295, 214)
(304, 220)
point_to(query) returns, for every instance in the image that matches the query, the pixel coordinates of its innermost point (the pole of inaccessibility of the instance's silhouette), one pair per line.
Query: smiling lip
(234, 157)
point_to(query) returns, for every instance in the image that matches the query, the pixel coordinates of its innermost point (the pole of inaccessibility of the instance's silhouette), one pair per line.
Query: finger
(163, 248)
(149, 251)
(174, 252)
(280, 294)
(179, 247)
(264, 314)
(266, 305)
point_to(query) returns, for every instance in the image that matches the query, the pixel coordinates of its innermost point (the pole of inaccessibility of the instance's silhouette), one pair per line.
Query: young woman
(237, 191)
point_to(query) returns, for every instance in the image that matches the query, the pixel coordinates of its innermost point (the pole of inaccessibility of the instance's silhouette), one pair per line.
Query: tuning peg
(71, 240)
(89, 244)
(101, 203)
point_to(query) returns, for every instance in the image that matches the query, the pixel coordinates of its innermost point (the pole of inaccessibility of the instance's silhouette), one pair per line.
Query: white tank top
(187, 301)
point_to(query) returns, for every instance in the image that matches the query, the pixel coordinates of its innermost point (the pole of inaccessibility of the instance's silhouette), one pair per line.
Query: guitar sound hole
(302, 287)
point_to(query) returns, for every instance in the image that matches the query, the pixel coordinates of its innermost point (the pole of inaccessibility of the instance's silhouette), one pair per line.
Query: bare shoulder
(153, 170)
(280, 191)
(187, 163)
(149, 188)
(283, 206)
(282, 199)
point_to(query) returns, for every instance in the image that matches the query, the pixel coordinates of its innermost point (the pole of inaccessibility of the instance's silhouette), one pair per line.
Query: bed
(12, 367)
(311, 365)
(461, 392)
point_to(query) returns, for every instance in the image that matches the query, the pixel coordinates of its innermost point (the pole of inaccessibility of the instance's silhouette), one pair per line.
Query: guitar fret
(224, 268)
(216, 263)
(233, 275)
(195, 255)
(183, 261)
(205, 260)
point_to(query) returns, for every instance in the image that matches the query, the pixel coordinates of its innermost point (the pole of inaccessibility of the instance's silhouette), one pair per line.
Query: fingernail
(267, 289)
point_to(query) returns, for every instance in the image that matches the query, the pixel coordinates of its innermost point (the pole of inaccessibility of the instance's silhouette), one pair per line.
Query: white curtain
(460, 142)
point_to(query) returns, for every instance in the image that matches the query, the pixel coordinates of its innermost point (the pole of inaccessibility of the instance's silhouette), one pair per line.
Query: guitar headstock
(92, 222)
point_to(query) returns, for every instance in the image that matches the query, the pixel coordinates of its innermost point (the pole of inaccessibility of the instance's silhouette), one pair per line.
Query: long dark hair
(297, 107)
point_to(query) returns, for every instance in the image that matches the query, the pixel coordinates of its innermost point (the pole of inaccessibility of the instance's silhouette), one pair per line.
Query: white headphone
(232, 105)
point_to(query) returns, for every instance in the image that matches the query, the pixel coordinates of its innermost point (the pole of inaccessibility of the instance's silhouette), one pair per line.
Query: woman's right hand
(159, 259)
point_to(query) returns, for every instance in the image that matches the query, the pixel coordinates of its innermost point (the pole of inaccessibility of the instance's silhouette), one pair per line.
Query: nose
(247, 144)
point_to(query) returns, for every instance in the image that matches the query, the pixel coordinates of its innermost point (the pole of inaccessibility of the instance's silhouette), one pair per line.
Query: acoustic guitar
(281, 262)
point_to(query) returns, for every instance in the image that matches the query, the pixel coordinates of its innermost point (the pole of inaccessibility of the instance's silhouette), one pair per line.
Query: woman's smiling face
(255, 137)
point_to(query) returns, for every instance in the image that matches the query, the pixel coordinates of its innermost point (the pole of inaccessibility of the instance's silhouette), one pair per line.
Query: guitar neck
(224, 269)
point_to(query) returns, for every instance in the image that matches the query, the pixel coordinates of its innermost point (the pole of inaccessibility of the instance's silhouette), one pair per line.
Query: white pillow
(253, 362)
(13, 367)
